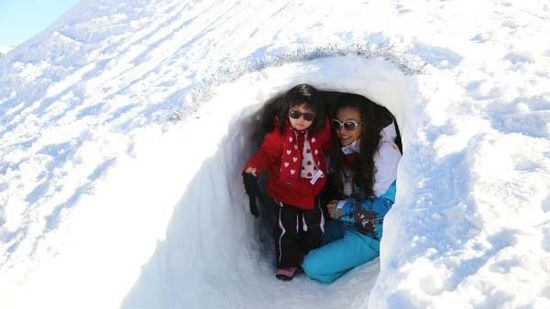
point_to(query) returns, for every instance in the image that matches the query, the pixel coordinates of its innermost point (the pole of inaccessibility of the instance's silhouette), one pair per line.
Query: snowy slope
(5, 49)
(124, 125)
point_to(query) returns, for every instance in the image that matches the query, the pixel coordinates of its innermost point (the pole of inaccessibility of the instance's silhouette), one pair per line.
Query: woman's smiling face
(348, 114)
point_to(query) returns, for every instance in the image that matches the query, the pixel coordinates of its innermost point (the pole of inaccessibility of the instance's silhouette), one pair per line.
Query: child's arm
(269, 151)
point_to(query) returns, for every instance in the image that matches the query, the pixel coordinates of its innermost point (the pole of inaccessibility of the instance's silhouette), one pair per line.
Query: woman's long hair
(275, 111)
(374, 118)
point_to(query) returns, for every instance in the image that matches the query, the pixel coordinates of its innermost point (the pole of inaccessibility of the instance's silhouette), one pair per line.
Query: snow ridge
(408, 64)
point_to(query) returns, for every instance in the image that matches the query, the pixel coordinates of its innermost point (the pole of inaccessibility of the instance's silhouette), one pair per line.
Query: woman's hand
(330, 207)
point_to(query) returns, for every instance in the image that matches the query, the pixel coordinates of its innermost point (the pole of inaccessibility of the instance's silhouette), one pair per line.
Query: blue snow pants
(343, 249)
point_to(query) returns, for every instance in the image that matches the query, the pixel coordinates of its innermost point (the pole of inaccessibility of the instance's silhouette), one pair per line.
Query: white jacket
(386, 160)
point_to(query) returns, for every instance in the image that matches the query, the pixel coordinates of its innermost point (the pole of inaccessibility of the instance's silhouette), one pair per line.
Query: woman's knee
(311, 264)
(315, 269)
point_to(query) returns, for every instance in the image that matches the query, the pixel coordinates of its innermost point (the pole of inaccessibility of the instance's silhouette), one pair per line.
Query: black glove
(253, 190)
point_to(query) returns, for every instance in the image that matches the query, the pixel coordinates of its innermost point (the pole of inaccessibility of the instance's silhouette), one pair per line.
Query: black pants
(296, 232)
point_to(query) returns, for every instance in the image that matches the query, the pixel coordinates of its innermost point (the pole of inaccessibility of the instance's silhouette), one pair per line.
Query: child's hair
(375, 118)
(275, 112)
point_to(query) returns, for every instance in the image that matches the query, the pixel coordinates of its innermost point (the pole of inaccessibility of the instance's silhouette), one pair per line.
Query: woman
(362, 190)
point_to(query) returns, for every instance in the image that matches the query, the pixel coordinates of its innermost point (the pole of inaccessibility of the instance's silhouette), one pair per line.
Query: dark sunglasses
(348, 125)
(296, 115)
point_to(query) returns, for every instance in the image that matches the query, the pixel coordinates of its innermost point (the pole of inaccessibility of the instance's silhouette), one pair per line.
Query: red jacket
(299, 193)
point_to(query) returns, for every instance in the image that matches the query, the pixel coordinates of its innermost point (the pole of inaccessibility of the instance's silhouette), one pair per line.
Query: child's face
(301, 117)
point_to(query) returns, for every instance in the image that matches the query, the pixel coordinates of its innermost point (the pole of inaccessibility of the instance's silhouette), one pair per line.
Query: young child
(292, 153)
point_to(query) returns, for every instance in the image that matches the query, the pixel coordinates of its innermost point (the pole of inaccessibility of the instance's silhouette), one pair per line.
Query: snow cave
(230, 255)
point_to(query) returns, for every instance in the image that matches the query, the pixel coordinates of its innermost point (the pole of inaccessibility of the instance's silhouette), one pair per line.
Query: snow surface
(124, 126)
(5, 49)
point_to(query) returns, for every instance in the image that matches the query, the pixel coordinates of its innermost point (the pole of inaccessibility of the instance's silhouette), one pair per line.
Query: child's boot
(286, 273)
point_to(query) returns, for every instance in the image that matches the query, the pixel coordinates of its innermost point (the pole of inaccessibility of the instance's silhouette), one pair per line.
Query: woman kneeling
(362, 188)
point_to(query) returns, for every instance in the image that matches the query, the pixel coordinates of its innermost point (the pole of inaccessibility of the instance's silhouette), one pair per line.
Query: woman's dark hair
(374, 118)
(275, 111)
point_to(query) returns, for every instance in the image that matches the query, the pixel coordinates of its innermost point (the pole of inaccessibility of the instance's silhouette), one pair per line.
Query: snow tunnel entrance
(215, 253)
(260, 124)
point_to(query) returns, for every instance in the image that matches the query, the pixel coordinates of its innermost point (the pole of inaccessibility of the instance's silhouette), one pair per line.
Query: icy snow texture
(105, 202)
(5, 49)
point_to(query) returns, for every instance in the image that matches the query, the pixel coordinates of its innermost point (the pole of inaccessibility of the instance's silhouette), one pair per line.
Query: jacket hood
(388, 133)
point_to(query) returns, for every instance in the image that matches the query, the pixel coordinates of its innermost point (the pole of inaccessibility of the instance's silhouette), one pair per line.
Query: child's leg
(313, 225)
(286, 236)
(330, 262)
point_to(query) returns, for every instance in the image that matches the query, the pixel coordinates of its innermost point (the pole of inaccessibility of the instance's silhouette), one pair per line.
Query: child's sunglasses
(296, 115)
(348, 125)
